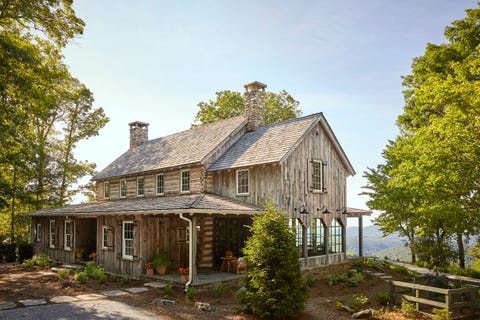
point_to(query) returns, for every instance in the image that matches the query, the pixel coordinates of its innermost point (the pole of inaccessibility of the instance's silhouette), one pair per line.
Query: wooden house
(189, 195)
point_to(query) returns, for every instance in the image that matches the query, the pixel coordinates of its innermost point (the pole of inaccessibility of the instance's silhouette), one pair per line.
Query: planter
(149, 272)
(162, 269)
(184, 278)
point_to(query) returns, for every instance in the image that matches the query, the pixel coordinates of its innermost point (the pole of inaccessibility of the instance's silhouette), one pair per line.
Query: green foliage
(279, 107)
(125, 279)
(168, 290)
(28, 264)
(383, 298)
(359, 302)
(95, 272)
(310, 281)
(408, 309)
(113, 277)
(219, 289)
(160, 260)
(63, 274)
(102, 278)
(441, 314)
(41, 260)
(25, 251)
(190, 295)
(275, 287)
(81, 276)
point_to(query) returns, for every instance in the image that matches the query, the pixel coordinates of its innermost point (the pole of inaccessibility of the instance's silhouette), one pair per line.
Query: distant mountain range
(374, 243)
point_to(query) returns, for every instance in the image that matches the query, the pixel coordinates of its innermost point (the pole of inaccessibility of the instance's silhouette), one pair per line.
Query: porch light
(303, 210)
(326, 211)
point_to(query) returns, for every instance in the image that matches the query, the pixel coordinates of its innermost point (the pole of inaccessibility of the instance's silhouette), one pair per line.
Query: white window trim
(104, 232)
(143, 194)
(181, 181)
(124, 255)
(65, 247)
(322, 177)
(120, 189)
(51, 243)
(38, 229)
(248, 183)
(106, 185)
(156, 184)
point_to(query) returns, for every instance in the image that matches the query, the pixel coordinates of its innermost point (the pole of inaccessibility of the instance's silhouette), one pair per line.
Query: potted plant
(149, 268)
(184, 272)
(160, 263)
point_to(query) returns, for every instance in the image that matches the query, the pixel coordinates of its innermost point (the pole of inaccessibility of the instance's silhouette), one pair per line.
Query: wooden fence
(450, 299)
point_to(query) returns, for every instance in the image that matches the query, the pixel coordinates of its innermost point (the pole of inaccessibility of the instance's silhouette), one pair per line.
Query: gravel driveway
(83, 310)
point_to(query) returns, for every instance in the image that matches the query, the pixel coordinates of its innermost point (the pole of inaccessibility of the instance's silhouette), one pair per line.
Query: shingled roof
(182, 148)
(272, 143)
(194, 203)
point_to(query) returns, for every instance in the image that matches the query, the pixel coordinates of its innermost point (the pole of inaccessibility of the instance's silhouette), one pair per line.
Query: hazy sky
(153, 61)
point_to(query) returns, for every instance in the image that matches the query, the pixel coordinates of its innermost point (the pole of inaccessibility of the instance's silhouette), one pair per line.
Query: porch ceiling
(194, 203)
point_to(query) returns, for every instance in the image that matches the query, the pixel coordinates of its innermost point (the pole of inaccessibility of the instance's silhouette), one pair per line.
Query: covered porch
(359, 214)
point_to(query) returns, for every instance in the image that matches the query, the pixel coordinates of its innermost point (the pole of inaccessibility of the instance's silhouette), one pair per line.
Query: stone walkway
(4, 305)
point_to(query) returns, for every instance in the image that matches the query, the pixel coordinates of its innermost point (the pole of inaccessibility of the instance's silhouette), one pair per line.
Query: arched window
(296, 229)
(316, 238)
(336, 237)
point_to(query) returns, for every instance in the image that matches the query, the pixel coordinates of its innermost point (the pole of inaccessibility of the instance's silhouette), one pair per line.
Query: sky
(154, 61)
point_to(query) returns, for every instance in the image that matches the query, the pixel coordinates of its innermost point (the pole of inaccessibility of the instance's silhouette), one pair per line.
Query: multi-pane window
(160, 184)
(104, 237)
(127, 239)
(242, 181)
(140, 186)
(336, 237)
(185, 181)
(318, 175)
(123, 188)
(51, 234)
(106, 190)
(296, 229)
(68, 235)
(38, 232)
(316, 238)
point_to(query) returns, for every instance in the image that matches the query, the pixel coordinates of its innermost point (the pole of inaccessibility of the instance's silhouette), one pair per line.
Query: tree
(434, 164)
(279, 107)
(275, 288)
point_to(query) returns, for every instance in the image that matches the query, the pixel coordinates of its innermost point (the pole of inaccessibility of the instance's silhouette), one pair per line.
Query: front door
(230, 234)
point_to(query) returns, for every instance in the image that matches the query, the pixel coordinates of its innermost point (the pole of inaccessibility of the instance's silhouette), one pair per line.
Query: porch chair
(240, 265)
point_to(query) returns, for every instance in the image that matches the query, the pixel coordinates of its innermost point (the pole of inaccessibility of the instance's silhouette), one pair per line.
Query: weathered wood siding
(171, 184)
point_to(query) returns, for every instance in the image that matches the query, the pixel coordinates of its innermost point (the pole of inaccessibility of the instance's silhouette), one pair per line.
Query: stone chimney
(255, 105)
(138, 133)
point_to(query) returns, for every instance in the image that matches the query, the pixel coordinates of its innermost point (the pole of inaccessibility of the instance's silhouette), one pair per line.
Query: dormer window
(140, 187)
(242, 182)
(106, 190)
(185, 181)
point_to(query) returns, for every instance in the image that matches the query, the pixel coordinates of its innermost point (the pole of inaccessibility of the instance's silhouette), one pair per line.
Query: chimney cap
(255, 85)
(138, 124)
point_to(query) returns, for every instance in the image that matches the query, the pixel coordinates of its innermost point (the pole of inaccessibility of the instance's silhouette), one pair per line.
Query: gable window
(242, 182)
(318, 176)
(127, 240)
(185, 181)
(296, 229)
(140, 186)
(160, 185)
(38, 230)
(104, 237)
(123, 188)
(316, 238)
(336, 237)
(51, 234)
(106, 190)
(68, 235)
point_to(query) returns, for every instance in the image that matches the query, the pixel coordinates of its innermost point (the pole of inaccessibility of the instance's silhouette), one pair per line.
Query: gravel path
(83, 310)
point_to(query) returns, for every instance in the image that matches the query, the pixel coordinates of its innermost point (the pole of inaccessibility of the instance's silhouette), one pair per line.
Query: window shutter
(324, 169)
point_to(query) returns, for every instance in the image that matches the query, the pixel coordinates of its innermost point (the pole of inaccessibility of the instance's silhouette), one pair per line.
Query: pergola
(359, 213)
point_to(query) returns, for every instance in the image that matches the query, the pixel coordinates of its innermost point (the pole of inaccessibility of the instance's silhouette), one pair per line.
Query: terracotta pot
(161, 269)
(149, 272)
(184, 278)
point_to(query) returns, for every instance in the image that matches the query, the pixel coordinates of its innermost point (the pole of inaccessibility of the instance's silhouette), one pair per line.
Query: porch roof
(352, 212)
(193, 203)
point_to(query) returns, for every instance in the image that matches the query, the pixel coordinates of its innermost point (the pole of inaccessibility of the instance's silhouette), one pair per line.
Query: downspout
(190, 251)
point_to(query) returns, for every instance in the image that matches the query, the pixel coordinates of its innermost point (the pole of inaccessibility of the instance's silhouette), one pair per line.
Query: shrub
(25, 251)
(441, 314)
(168, 290)
(113, 277)
(102, 278)
(383, 298)
(190, 295)
(125, 279)
(28, 264)
(63, 274)
(359, 302)
(41, 260)
(219, 289)
(81, 276)
(275, 287)
(408, 309)
(310, 281)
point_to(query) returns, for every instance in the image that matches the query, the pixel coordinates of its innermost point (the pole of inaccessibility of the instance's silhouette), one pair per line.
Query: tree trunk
(461, 250)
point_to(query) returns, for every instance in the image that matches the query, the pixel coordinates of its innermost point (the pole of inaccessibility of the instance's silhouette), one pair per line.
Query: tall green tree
(278, 107)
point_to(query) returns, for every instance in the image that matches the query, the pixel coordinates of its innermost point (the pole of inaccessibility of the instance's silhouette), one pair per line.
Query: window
(160, 184)
(316, 238)
(38, 232)
(104, 237)
(336, 237)
(242, 181)
(185, 181)
(52, 238)
(123, 188)
(106, 190)
(68, 235)
(318, 175)
(127, 240)
(140, 186)
(296, 229)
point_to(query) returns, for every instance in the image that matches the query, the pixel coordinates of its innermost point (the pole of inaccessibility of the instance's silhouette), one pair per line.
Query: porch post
(360, 235)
